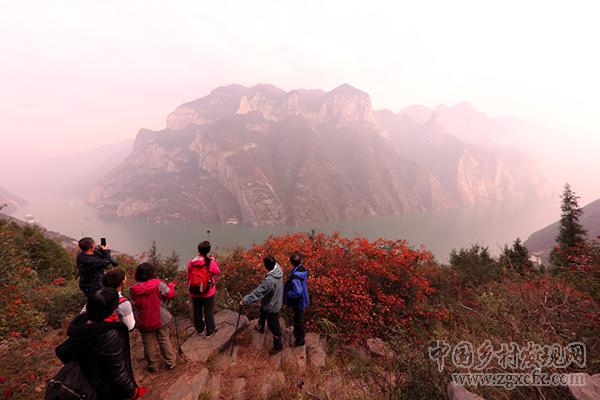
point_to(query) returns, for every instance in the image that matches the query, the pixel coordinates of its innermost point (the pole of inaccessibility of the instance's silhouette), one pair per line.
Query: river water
(492, 225)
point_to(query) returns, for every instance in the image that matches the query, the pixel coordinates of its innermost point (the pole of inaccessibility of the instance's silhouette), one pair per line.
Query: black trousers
(272, 320)
(298, 326)
(203, 314)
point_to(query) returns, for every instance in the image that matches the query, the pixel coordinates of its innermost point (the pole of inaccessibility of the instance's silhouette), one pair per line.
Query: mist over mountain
(11, 201)
(470, 173)
(545, 239)
(79, 172)
(264, 156)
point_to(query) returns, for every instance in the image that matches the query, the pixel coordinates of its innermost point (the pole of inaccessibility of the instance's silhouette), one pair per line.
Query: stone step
(198, 348)
(188, 387)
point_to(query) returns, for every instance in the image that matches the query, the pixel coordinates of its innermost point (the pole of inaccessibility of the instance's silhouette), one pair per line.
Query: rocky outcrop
(588, 387)
(458, 392)
(197, 348)
(189, 386)
(263, 156)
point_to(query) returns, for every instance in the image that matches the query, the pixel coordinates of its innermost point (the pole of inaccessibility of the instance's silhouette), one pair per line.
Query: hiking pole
(237, 324)
(177, 335)
(170, 306)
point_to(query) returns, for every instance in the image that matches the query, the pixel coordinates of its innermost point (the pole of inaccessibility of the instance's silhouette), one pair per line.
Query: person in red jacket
(152, 316)
(201, 285)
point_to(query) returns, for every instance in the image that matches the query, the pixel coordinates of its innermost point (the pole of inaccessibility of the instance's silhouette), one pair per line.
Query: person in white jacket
(116, 278)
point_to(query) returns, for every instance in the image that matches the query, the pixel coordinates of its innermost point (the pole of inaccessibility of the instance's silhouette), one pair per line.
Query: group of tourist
(97, 353)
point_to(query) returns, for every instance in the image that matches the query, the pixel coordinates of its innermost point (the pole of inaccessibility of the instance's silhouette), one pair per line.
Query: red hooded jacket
(147, 298)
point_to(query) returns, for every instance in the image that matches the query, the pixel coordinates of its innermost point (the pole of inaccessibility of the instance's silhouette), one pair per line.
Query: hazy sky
(76, 74)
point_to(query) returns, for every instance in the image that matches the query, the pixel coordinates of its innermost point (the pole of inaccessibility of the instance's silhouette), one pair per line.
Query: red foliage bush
(361, 286)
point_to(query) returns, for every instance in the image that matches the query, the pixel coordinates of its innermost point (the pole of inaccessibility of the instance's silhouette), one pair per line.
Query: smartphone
(102, 242)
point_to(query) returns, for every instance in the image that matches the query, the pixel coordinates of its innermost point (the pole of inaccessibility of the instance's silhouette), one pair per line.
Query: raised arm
(214, 267)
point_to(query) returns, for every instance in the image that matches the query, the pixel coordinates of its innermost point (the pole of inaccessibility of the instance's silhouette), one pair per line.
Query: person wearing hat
(101, 346)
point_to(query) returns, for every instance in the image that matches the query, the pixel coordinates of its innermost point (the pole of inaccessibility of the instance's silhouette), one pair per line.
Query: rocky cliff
(263, 156)
(469, 173)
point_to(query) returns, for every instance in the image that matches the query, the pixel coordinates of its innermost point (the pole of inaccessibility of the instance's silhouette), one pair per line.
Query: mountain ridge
(263, 156)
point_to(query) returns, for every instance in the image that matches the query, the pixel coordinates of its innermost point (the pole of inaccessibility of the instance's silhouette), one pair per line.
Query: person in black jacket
(102, 348)
(91, 263)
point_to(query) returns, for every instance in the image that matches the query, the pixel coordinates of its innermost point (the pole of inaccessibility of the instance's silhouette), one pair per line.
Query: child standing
(152, 316)
(201, 285)
(115, 278)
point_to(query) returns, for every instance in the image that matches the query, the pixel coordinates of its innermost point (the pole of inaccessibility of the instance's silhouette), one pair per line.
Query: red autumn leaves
(359, 286)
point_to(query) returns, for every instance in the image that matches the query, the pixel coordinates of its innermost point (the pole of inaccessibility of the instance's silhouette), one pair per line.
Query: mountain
(263, 156)
(545, 239)
(12, 202)
(470, 173)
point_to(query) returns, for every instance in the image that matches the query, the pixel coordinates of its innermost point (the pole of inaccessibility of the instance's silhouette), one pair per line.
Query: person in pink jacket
(152, 316)
(201, 284)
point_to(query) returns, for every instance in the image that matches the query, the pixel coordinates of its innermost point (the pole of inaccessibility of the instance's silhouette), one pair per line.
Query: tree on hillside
(475, 265)
(571, 236)
(516, 257)
(166, 267)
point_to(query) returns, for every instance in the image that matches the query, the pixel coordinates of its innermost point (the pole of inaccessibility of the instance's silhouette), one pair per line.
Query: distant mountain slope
(545, 239)
(12, 202)
(77, 173)
(471, 174)
(264, 156)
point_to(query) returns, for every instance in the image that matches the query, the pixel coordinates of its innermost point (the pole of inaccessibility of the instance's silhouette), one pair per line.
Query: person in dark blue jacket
(296, 296)
(91, 263)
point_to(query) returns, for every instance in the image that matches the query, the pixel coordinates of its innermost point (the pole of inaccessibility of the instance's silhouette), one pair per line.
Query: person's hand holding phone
(103, 244)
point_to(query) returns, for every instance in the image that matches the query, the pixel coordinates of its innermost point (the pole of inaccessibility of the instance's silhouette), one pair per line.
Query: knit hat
(101, 304)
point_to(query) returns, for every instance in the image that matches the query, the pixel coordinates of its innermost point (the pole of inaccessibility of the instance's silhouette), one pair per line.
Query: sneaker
(209, 335)
(259, 328)
(171, 367)
(200, 332)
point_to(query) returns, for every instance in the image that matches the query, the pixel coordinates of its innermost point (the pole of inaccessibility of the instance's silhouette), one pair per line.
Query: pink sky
(77, 74)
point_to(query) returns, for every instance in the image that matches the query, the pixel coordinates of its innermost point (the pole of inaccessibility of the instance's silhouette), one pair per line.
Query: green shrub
(167, 268)
(49, 259)
(475, 265)
(61, 303)
(516, 258)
